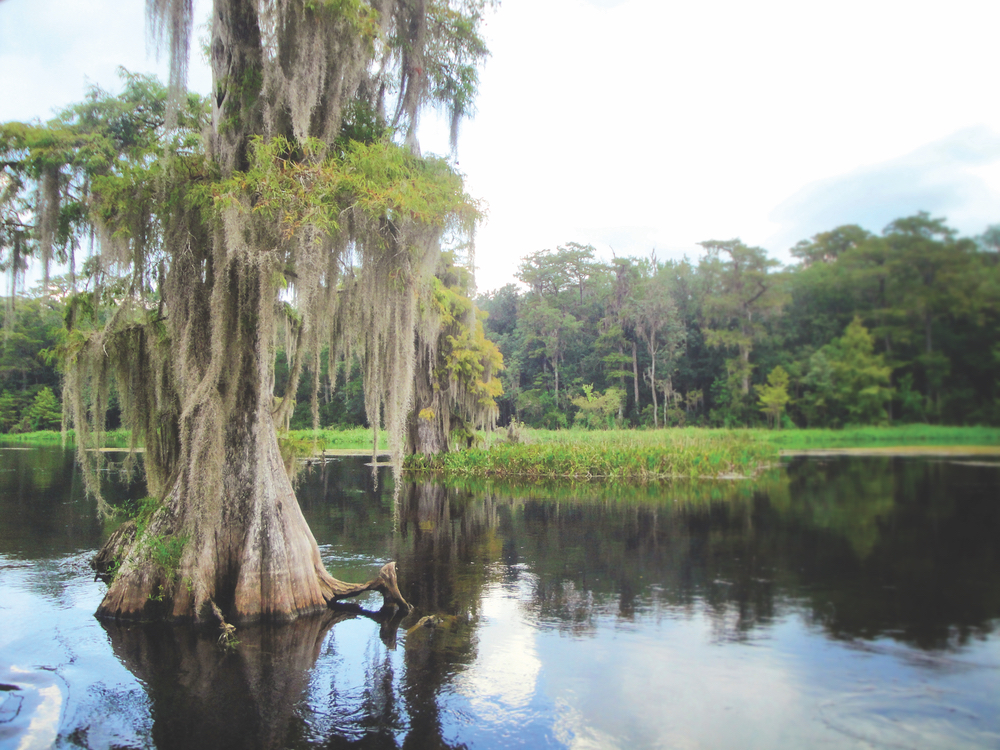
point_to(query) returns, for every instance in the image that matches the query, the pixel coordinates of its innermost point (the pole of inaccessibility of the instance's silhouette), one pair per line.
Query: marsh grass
(355, 438)
(110, 439)
(625, 455)
(651, 455)
(860, 437)
(350, 439)
(872, 437)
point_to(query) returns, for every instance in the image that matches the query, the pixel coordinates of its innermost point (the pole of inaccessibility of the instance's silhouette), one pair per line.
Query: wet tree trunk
(230, 531)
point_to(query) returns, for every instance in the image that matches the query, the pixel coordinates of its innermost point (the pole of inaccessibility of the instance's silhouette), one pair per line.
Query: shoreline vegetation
(626, 455)
(623, 456)
(690, 453)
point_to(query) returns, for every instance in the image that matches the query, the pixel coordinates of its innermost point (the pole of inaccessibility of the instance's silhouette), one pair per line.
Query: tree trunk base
(108, 558)
(107, 562)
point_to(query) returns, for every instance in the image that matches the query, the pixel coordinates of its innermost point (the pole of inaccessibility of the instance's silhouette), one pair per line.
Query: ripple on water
(914, 718)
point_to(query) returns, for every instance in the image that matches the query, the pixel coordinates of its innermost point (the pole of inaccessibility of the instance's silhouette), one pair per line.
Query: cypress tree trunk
(430, 421)
(230, 532)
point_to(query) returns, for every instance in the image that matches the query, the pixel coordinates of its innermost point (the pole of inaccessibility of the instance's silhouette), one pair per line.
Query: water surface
(839, 602)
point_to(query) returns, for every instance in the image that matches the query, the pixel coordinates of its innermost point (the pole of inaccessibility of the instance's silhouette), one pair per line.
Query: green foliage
(654, 455)
(296, 446)
(307, 185)
(9, 411)
(927, 298)
(31, 332)
(466, 357)
(457, 382)
(599, 411)
(847, 382)
(456, 49)
(352, 439)
(164, 550)
(916, 435)
(773, 397)
(742, 295)
(118, 438)
(656, 323)
(45, 412)
(361, 17)
(539, 407)
(731, 407)
(104, 137)
(631, 456)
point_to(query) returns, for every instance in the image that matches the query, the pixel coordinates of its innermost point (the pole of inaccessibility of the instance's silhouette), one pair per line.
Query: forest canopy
(859, 329)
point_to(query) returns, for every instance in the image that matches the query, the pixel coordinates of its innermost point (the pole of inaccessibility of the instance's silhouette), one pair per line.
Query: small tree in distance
(773, 397)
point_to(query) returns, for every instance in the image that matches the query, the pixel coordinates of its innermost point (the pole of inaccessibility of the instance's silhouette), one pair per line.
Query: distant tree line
(860, 329)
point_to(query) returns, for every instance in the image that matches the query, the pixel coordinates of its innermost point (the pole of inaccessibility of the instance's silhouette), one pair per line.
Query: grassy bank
(112, 439)
(853, 437)
(354, 439)
(648, 455)
(878, 437)
(621, 454)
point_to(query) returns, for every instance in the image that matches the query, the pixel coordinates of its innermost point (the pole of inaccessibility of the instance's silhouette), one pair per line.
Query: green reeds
(621, 455)
(871, 437)
(650, 455)
(353, 439)
(357, 439)
(111, 439)
(859, 437)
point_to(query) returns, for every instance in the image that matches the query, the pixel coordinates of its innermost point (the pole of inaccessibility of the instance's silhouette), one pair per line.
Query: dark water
(836, 603)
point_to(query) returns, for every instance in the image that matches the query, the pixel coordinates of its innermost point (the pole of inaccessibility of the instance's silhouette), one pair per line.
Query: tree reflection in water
(207, 696)
(865, 550)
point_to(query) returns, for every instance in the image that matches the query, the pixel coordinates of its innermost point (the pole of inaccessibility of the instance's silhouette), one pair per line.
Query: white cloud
(52, 50)
(633, 123)
(694, 121)
(949, 177)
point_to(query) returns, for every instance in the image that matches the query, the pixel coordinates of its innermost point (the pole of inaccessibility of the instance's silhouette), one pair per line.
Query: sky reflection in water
(843, 603)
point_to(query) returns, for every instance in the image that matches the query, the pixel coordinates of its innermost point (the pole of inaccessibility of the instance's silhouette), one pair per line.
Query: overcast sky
(634, 124)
